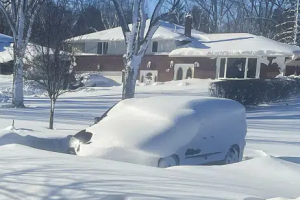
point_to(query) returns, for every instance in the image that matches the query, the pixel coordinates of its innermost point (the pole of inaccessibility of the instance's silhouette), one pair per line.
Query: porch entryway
(148, 76)
(183, 71)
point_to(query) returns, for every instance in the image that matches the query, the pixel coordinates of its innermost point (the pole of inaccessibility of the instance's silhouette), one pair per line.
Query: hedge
(255, 91)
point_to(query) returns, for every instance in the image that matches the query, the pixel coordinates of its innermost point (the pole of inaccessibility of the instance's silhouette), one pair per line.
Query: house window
(222, 68)
(236, 67)
(102, 48)
(155, 46)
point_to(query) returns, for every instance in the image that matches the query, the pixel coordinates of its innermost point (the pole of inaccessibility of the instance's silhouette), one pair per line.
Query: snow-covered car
(167, 131)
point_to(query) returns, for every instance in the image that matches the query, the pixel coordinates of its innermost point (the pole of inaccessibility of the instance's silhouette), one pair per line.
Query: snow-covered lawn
(271, 166)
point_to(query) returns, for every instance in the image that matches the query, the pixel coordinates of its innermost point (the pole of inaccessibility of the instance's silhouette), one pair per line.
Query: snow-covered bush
(4, 97)
(256, 91)
(33, 88)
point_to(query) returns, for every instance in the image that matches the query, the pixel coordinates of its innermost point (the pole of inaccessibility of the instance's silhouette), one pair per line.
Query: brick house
(178, 52)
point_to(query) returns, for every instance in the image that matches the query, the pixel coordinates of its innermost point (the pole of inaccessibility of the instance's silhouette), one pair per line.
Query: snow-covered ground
(271, 166)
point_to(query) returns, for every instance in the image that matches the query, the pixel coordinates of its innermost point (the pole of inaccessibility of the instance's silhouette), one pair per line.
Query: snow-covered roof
(5, 38)
(7, 53)
(202, 44)
(165, 31)
(234, 44)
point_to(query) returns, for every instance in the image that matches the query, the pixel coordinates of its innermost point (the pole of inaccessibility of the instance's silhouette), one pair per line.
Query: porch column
(257, 75)
(225, 70)
(246, 69)
(218, 68)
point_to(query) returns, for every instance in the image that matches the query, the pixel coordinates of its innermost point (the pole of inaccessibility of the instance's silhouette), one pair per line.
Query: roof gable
(165, 31)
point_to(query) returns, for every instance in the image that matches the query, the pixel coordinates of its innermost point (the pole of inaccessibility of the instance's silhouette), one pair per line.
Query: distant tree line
(274, 19)
(87, 16)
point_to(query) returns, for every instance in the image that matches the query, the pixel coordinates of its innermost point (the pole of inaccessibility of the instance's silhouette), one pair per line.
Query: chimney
(188, 26)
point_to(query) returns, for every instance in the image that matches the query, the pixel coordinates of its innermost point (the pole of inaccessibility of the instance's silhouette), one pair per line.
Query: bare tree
(52, 68)
(20, 16)
(259, 16)
(217, 10)
(288, 23)
(138, 38)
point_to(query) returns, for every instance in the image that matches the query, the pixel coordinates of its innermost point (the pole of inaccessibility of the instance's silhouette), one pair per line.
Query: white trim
(225, 70)
(257, 75)
(218, 64)
(218, 68)
(184, 68)
(246, 68)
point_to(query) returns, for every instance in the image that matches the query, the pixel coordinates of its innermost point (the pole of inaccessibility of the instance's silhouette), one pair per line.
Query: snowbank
(96, 79)
(32, 174)
(10, 135)
(7, 53)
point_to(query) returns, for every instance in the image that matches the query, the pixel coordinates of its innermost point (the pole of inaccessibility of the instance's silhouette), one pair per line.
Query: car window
(84, 136)
(98, 119)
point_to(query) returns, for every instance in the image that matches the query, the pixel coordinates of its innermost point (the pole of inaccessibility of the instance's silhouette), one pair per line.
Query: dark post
(188, 26)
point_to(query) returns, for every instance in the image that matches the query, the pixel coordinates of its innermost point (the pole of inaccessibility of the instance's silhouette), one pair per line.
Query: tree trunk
(51, 121)
(18, 99)
(132, 65)
(129, 84)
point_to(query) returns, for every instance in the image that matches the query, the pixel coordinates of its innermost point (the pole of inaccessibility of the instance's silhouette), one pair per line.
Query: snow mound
(252, 153)
(10, 135)
(127, 197)
(158, 83)
(281, 198)
(96, 79)
(294, 76)
(184, 83)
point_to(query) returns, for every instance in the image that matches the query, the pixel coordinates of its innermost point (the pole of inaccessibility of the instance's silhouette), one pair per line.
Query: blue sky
(151, 5)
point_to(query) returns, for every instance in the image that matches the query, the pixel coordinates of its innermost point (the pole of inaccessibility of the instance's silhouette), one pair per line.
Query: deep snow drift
(270, 170)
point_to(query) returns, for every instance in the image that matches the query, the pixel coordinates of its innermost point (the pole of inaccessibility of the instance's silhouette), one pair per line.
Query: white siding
(91, 47)
(119, 47)
(163, 46)
(116, 48)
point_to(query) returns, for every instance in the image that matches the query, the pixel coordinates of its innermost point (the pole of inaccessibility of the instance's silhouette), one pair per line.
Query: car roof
(170, 105)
